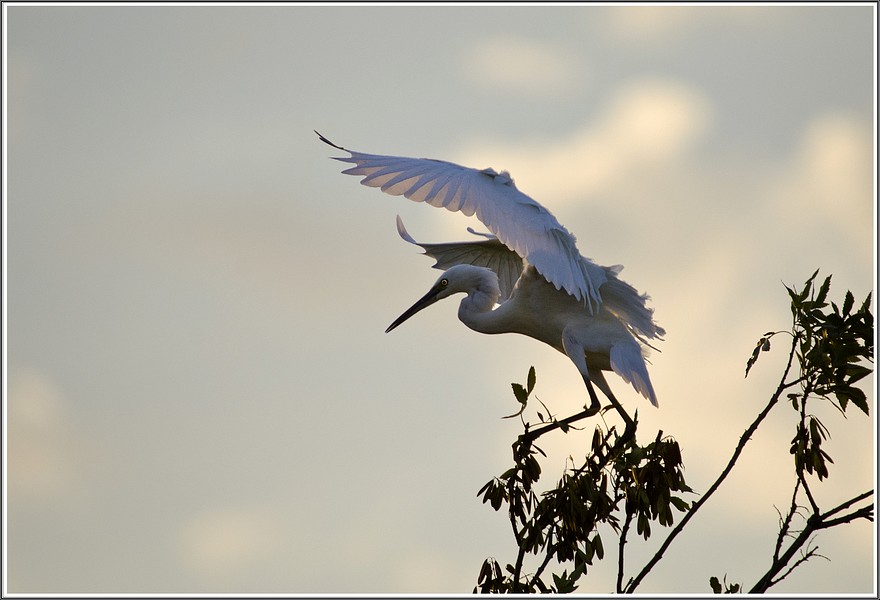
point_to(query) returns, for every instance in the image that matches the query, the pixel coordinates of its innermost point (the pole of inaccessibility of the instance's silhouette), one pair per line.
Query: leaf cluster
(618, 479)
(621, 483)
(831, 343)
(833, 349)
(649, 475)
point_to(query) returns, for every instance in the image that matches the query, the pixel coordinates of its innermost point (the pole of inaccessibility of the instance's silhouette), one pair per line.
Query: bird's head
(468, 279)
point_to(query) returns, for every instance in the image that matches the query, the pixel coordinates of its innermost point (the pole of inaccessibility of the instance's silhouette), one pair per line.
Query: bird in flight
(526, 277)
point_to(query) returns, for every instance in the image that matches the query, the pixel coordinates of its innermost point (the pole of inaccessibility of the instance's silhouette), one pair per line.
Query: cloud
(653, 23)
(826, 188)
(657, 27)
(519, 65)
(220, 543)
(44, 458)
(646, 123)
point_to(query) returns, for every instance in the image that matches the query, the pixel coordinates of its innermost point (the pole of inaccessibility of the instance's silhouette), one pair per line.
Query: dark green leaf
(680, 504)
(597, 545)
(522, 396)
(857, 372)
(854, 395)
(848, 302)
(815, 434)
(823, 291)
(763, 344)
(866, 304)
(530, 385)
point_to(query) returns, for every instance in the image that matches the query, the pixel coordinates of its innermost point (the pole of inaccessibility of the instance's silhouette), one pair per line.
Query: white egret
(530, 268)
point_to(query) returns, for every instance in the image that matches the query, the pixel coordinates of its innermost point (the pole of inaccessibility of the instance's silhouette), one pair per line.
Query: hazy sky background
(201, 397)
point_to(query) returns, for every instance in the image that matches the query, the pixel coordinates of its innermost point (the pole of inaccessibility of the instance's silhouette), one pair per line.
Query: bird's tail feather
(629, 306)
(626, 360)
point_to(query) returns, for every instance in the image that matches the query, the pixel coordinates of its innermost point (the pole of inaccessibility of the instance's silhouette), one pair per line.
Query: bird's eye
(444, 282)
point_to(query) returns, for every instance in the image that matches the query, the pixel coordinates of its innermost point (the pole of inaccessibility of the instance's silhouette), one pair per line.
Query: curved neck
(475, 309)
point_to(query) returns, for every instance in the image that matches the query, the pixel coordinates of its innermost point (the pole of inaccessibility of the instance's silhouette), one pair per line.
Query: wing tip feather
(328, 142)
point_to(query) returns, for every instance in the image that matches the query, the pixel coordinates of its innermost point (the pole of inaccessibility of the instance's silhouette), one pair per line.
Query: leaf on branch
(848, 302)
(763, 345)
(522, 393)
(522, 396)
(493, 493)
(597, 546)
(819, 300)
(565, 584)
(866, 304)
(680, 504)
(726, 588)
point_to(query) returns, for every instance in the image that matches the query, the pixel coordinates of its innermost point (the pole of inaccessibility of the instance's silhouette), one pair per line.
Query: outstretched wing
(490, 253)
(520, 223)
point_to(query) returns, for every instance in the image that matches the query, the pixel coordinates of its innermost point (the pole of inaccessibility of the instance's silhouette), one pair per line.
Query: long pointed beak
(423, 302)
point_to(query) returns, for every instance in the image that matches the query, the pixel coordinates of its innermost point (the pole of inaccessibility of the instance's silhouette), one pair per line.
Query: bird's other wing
(520, 223)
(490, 253)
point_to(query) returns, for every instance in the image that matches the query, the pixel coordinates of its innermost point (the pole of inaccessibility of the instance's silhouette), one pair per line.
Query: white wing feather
(520, 223)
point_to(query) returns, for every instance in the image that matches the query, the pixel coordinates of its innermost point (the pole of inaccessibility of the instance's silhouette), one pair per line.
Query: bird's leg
(575, 352)
(599, 380)
(594, 407)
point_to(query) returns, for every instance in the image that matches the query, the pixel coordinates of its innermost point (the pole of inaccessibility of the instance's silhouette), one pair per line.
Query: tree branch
(550, 551)
(815, 523)
(630, 588)
(620, 552)
(530, 436)
(848, 503)
(800, 471)
(811, 552)
(786, 523)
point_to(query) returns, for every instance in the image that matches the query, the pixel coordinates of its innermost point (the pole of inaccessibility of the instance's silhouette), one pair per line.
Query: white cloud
(220, 543)
(653, 23)
(655, 27)
(520, 65)
(830, 177)
(44, 459)
(646, 123)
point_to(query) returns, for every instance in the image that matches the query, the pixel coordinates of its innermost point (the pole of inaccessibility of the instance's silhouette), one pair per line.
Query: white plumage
(530, 268)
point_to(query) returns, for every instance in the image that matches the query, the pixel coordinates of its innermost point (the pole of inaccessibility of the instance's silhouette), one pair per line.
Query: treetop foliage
(621, 483)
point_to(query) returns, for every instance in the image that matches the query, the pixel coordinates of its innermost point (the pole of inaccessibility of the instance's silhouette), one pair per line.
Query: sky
(199, 393)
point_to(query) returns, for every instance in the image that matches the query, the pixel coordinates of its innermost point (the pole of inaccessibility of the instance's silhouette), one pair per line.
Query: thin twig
(866, 512)
(811, 552)
(848, 503)
(815, 523)
(783, 530)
